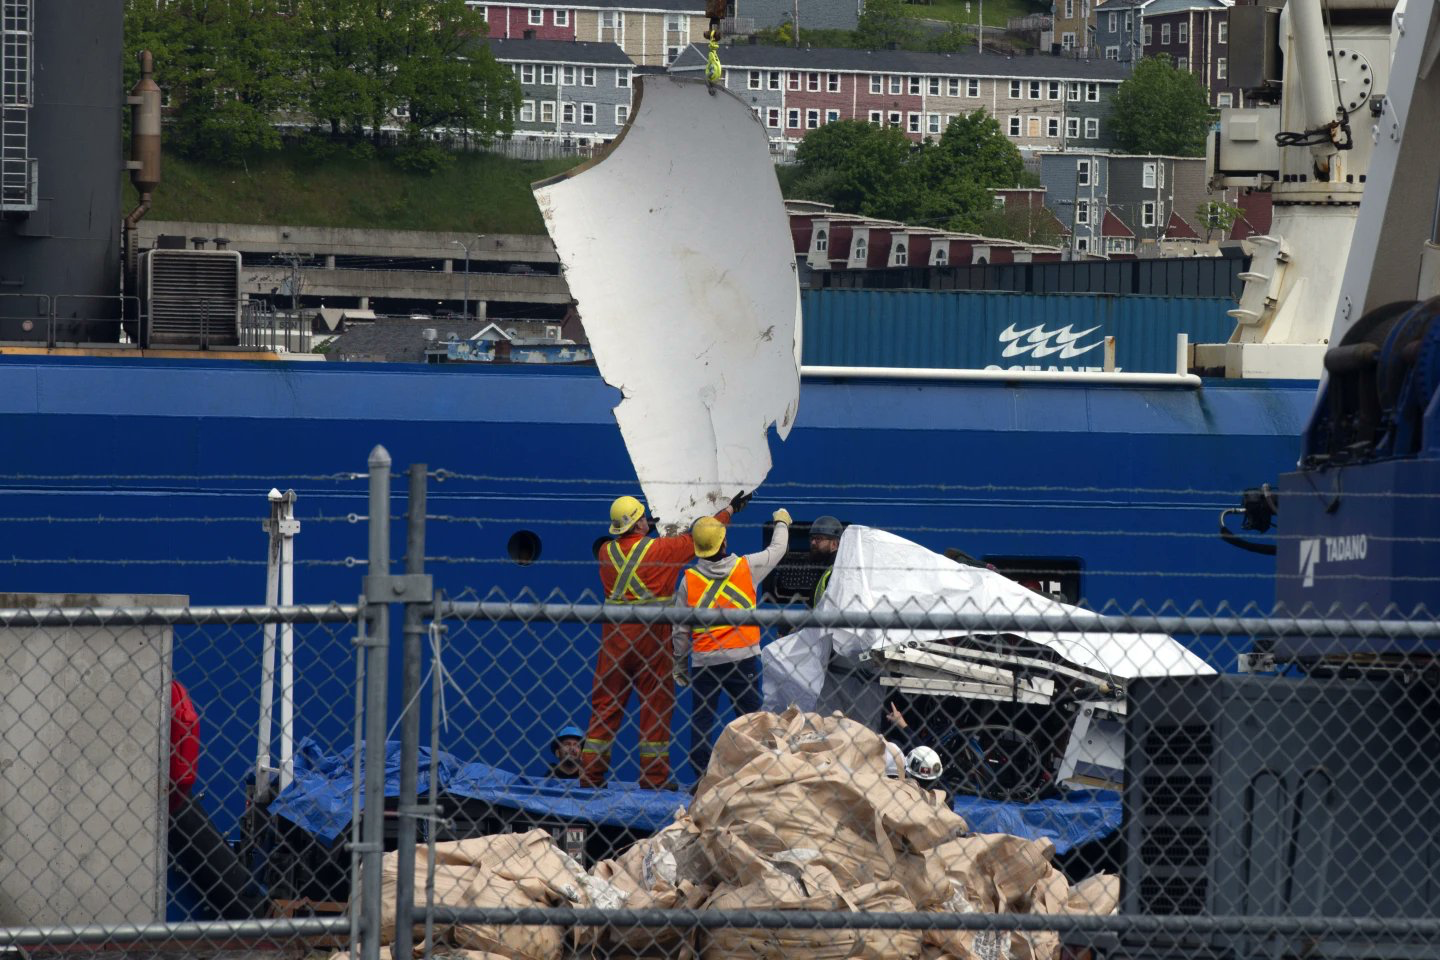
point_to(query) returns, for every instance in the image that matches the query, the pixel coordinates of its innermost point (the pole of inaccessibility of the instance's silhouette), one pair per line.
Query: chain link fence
(906, 755)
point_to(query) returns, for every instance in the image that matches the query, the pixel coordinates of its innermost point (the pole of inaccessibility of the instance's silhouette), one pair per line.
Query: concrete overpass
(395, 266)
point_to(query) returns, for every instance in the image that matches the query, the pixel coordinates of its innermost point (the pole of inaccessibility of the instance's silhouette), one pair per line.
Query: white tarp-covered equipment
(677, 249)
(876, 570)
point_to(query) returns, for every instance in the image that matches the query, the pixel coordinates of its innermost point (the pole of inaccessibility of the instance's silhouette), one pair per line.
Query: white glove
(681, 673)
(782, 516)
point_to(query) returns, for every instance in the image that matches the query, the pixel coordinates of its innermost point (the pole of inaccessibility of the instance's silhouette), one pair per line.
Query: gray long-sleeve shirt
(717, 569)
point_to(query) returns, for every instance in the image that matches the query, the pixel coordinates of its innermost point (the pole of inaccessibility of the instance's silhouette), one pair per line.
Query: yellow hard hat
(625, 512)
(709, 535)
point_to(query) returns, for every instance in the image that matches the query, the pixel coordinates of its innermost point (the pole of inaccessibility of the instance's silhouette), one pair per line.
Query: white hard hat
(894, 759)
(923, 764)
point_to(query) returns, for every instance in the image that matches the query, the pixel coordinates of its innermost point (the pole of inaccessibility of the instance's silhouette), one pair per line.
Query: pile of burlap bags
(794, 813)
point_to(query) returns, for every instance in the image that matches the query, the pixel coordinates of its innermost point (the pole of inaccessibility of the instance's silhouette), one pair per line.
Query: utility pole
(980, 29)
(797, 23)
(466, 247)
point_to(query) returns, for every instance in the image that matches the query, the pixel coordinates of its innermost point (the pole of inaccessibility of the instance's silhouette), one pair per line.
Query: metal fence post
(414, 631)
(376, 677)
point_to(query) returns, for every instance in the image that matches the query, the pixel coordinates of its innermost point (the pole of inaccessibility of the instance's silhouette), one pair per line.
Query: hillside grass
(997, 12)
(478, 192)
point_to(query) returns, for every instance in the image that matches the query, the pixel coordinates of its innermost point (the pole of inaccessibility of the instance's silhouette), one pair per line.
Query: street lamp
(466, 247)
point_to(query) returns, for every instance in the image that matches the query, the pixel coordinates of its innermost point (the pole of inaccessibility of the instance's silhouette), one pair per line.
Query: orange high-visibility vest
(734, 592)
(629, 588)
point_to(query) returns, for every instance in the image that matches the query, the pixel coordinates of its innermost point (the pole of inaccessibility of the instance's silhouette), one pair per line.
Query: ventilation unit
(192, 298)
(18, 170)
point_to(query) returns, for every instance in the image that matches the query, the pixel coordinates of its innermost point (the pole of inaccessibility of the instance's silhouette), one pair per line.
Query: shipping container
(970, 330)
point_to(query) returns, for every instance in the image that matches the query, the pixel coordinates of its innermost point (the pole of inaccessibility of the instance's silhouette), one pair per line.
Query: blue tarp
(1078, 817)
(318, 800)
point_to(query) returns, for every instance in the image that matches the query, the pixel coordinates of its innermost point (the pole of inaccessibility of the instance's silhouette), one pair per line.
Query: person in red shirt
(198, 852)
(637, 569)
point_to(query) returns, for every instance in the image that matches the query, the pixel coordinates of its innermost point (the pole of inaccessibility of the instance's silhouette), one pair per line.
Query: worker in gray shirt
(727, 658)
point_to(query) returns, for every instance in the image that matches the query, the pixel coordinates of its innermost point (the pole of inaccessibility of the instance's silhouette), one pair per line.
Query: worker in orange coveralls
(637, 569)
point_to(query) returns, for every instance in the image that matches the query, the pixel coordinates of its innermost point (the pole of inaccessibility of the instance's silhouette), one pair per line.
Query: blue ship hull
(1127, 481)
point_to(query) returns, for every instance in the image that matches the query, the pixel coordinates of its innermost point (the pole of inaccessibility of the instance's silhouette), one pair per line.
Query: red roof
(1113, 226)
(1178, 229)
(1254, 215)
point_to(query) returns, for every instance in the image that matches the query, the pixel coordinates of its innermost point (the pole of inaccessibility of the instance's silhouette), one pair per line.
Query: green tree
(228, 67)
(884, 24)
(1160, 109)
(957, 174)
(1216, 216)
(859, 167)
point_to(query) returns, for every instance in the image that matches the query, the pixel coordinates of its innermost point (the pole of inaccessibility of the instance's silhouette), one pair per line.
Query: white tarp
(677, 248)
(876, 570)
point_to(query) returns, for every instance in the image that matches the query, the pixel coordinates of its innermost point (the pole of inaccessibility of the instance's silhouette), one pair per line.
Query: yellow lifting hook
(714, 72)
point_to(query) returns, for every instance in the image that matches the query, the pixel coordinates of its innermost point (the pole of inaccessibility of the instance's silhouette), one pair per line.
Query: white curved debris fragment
(677, 249)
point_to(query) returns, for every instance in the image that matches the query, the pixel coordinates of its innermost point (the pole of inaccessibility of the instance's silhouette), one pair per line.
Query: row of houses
(576, 89)
(1195, 34)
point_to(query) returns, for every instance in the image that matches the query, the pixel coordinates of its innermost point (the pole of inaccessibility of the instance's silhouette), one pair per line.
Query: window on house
(914, 123)
(876, 84)
(832, 82)
(934, 86)
(537, 17)
(1067, 40)
(1182, 32)
(1147, 213)
(1224, 100)
(753, 81)
(587, 114)
(933, 123)
(1147, 176)
(1222, 32)
(1082, 244)
(672, 54)
(587, 76)
(1035, 89)
(1092, 92)
(611, 20)
(567, 76)
(1222, 68)
(773, 80)
(860, 248)
(812, 119)
(484, 11)
(1054, 91)
(793, 79)
(812, 82)
(622, 78)
(1092, 128)
(547, 75)
(972, 88)
(527, 73)
(772, 118)
(895, 118)
(792, 119)
(1160, 174)
(1182, 63)
(941, 255)
(547, 111)
(1112, 22)
(831, 116)
(1112, 53)
(1069, 9)
(1072, 128)
(1129, 22)
(1052, 126)
(1082, 211)
(622, 114)
(822, 240)
(1164, 33)
(1074, 91)
(527, 111)
(915, 86)
(1082, 173)
(562, 18)
(877, 118)
(675, 22)
(1148, 32)
(1015, 90)
(902, 257)
(897, 84)
(567, 112)
(1014, 126)
(952, 87)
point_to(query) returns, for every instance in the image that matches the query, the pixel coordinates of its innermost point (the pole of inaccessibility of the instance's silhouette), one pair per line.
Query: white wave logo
(1037, 340)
